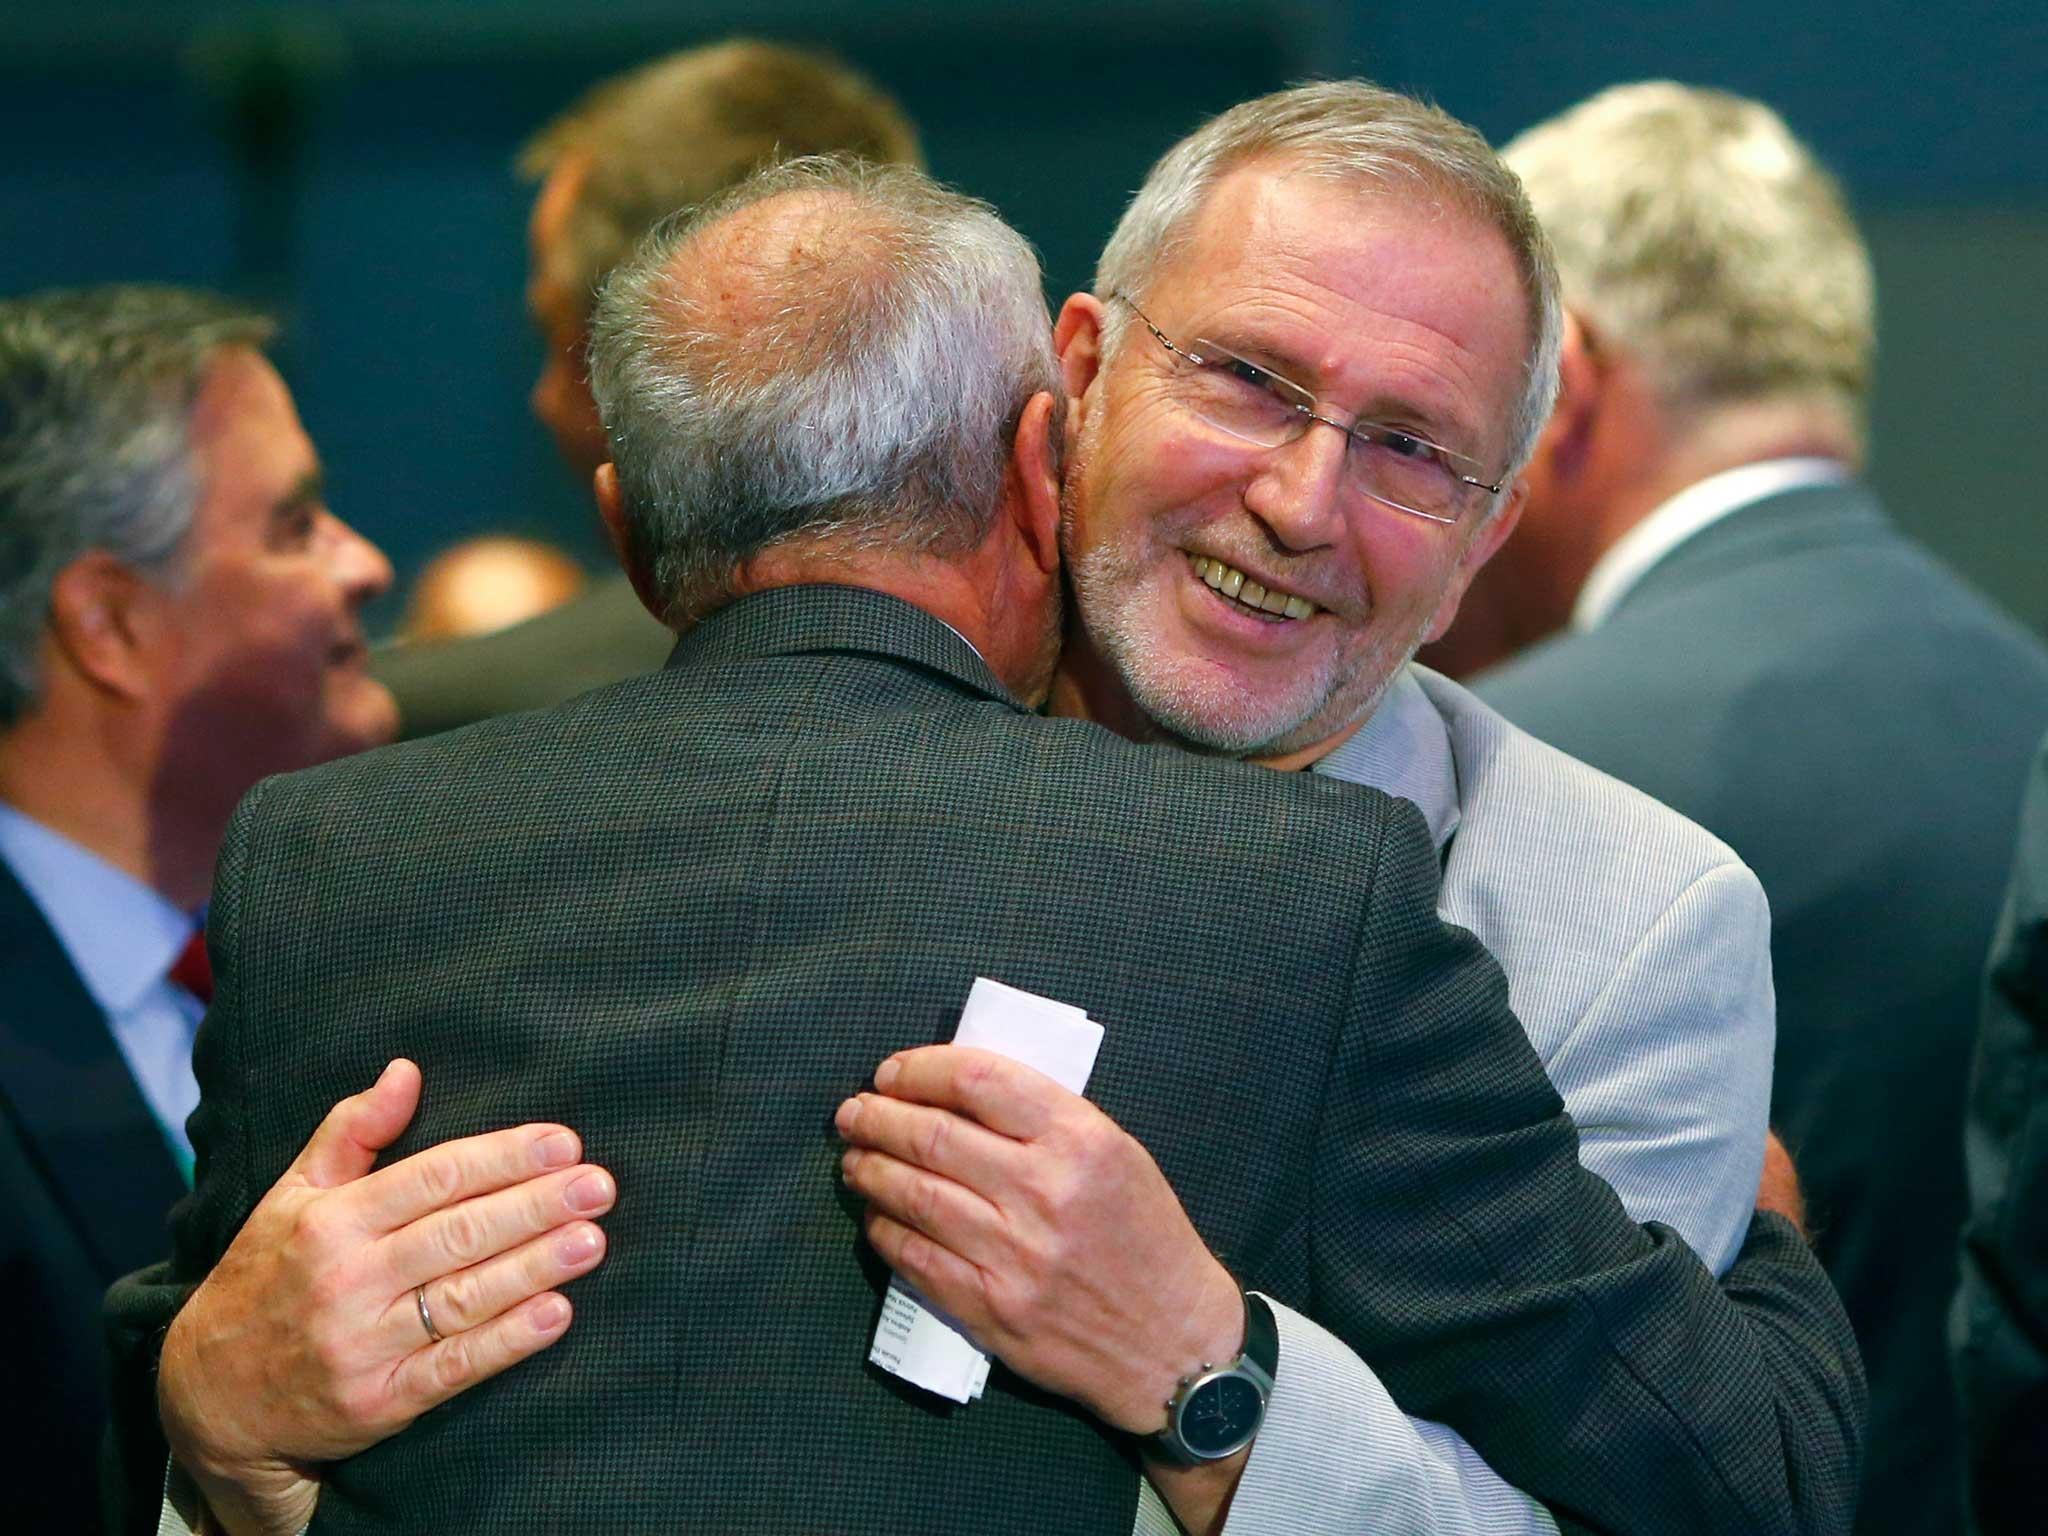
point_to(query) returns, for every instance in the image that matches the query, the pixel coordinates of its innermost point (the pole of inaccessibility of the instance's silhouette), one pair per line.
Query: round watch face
(1220, 1415)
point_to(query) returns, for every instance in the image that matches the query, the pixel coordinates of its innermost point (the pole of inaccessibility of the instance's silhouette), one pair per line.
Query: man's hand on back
(1778, 1190)
(1049, 1232)
(306, 1343)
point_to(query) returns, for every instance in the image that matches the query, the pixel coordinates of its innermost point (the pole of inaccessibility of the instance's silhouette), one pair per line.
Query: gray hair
(862, 385)
(1693, 227)
(96, 394)
(1348, 131)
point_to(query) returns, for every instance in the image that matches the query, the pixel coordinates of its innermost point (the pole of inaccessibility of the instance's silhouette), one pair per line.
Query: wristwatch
(1215, 1412)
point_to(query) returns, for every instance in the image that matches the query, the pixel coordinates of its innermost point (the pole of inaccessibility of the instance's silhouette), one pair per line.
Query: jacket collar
(1810, 517)
(1686, 515)
(823, 619)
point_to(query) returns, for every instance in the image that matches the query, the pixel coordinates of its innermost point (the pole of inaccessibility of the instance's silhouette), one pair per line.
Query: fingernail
(551, 1316)
(592, 1192)
(851, 1159)
(848, 1116)
(557, 1149)
(576, 1245)
(885, 1074)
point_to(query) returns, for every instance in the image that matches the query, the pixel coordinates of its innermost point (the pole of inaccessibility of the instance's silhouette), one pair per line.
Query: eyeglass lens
(1250, 402)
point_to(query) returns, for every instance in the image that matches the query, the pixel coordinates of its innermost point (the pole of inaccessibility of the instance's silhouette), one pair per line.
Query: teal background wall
(351, 164)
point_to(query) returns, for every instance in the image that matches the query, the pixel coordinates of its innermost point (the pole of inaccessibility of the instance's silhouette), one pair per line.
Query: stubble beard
(1186, 703)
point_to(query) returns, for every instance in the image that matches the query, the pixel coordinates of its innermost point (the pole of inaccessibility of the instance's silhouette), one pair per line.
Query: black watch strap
(1261, 1335)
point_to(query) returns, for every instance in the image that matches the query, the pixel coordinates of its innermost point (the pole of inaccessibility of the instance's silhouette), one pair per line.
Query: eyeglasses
(1235, 395)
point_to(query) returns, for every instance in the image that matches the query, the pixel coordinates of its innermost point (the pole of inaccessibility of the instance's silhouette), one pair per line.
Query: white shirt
(122, 938)
(1698, 506)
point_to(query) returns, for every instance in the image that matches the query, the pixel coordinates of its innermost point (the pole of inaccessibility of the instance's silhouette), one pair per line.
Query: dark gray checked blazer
(689, 913)
(1824, 696)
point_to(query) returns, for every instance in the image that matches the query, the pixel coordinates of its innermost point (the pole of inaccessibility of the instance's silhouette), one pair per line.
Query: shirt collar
(1404, 749)
(122, 936)
(1698, 506)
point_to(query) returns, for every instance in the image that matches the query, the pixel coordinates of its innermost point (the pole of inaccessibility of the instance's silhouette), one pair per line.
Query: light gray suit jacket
(1637, 950)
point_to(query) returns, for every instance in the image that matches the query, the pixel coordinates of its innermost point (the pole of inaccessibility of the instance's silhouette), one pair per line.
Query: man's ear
(1077, 338)
(1031, 484)
(105, 624)
(1567, 440)
(1485, 543)
(611, 509)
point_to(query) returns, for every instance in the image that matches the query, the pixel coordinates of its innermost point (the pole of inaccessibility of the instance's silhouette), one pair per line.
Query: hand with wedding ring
(351, 1302)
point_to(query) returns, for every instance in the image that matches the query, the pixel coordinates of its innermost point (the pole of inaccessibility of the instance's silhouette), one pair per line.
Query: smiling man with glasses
(1250, 584)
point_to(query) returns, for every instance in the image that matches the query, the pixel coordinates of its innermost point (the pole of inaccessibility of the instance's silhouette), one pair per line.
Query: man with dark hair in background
(179, 617)
(1734, 626)
(632, 151)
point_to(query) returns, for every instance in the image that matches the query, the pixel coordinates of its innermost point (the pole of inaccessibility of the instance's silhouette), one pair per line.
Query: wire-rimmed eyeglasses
(1249, 401)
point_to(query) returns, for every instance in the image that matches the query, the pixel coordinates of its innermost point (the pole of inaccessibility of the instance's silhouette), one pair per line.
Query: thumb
(346, 1145)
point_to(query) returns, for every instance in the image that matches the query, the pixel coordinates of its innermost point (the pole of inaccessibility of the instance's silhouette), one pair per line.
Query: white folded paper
(915, 1339)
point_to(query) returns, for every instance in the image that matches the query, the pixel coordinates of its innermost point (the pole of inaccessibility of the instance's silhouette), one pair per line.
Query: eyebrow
(310, 490)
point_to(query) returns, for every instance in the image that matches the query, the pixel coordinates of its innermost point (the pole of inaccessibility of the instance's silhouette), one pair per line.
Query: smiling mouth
(1228, 581)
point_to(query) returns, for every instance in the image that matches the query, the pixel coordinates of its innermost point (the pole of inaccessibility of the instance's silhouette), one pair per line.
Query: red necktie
(192, 970)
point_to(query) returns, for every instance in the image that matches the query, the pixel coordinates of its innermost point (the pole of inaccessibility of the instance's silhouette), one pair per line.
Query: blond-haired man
(1735, 627)
(632, 150)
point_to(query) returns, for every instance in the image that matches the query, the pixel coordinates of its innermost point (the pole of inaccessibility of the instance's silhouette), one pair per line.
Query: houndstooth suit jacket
(689, 913)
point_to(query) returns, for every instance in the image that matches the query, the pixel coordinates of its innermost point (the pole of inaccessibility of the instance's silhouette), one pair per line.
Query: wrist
(1209, 1331)
(193, 1441)
(1216, 1411)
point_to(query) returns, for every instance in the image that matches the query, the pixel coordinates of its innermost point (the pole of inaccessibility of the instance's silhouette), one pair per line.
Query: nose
(358, 566)
(1298, 490)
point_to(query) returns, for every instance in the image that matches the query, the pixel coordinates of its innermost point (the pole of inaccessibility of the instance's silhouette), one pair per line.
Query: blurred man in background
(1735, 627)
(632, 151)
(179, 616)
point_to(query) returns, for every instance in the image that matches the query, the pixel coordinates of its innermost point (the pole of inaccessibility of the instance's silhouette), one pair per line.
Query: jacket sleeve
(1496, 1286)
(1667, 1076)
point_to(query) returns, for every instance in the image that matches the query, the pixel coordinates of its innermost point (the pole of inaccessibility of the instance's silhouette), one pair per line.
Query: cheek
(1147, 489)
(1405, 572)
(265, 638)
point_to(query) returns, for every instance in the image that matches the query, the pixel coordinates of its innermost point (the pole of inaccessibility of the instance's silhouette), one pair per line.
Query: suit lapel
(66, 1085)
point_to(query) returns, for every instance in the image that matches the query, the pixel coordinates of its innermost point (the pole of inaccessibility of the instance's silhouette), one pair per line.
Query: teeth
(1232, 582)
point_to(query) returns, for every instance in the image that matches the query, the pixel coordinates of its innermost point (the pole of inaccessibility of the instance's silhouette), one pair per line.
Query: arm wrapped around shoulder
(1497, 1286)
